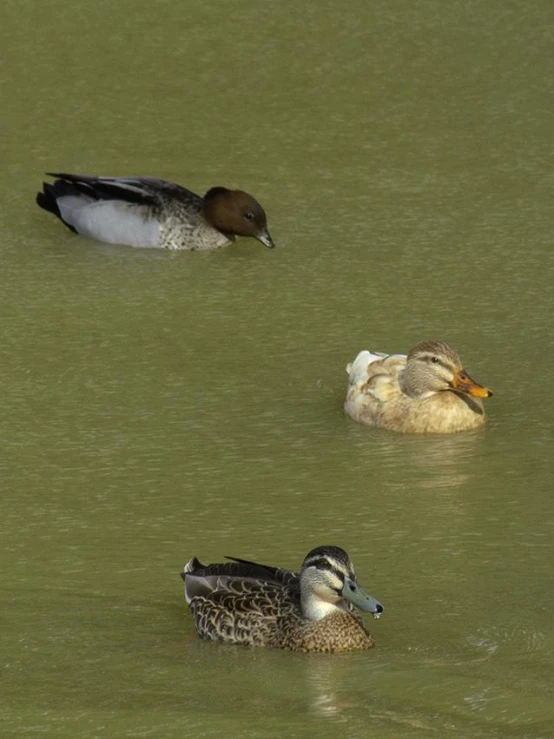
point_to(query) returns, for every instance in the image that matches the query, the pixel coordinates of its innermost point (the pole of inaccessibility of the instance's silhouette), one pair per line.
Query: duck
(242, 602)
(150, 212)
(427, 391)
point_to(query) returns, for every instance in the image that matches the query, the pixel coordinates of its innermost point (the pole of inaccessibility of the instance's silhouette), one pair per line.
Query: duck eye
(435, 360)
(249, 216)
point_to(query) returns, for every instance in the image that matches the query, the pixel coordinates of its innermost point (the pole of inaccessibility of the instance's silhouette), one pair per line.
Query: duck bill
(353, 593)
(463, 382)
(265, 238)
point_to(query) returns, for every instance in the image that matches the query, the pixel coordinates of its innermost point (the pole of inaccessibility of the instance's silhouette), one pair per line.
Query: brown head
(236, 213)
(433, 366)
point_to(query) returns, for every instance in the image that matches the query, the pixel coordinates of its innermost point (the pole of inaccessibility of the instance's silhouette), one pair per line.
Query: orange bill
(463, 382)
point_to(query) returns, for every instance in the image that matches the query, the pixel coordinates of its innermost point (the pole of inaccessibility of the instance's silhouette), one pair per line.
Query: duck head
(327, 580)
(434, 366)
(236, 213)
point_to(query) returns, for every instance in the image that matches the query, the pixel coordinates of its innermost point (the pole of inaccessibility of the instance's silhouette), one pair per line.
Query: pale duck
(427, 391)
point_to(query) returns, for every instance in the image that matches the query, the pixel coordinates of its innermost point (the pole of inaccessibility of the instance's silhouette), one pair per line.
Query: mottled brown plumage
(242, 602)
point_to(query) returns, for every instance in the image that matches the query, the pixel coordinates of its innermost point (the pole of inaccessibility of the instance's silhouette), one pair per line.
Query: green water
(159, 405)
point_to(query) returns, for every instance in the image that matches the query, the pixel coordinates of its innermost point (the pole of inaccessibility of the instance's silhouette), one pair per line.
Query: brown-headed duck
(149, 212)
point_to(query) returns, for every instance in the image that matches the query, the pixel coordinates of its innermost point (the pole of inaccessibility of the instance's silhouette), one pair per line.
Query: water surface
(159, 405)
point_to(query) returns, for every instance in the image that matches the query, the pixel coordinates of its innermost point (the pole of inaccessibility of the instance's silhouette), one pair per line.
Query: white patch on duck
(111, 221)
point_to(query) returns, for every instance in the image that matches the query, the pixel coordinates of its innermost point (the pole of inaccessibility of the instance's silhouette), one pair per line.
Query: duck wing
(278, 574)
(243, 568)
(115, 210)
(238, 609)
(376, 374)
(230, 590)
(142, 190)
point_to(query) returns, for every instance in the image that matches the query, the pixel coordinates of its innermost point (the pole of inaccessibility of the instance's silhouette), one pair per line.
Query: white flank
(111, 221)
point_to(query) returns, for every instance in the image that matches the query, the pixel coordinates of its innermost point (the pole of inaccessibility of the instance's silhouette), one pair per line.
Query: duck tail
(192, 565)
(48, 199)
(357, 370)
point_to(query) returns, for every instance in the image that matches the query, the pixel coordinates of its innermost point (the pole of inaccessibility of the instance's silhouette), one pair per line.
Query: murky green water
(159, 405)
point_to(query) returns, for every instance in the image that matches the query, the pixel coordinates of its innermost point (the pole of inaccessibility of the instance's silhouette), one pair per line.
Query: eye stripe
(433, 359)
(329, 558)
(325, 566)
(320, 563)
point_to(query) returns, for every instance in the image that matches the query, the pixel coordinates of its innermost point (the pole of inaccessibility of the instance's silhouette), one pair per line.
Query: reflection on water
(329, 684)
(438, 461)
(321, 682)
